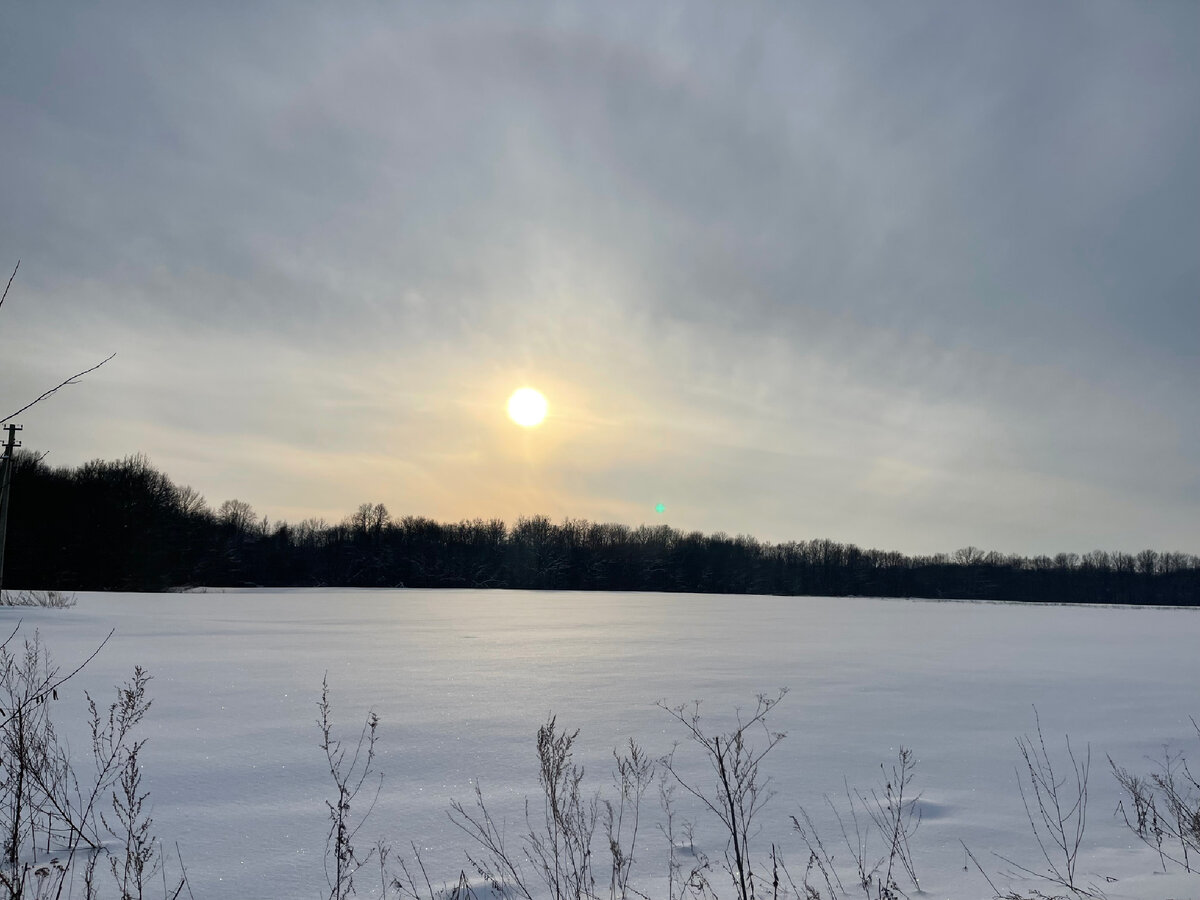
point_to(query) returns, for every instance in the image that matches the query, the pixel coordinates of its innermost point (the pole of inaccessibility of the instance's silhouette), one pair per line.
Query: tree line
(124, 525)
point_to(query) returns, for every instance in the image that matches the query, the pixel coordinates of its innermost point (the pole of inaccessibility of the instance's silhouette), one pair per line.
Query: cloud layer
(915, 277)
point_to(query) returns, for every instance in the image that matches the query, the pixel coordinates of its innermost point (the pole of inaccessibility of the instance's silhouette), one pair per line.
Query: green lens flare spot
(660, 508)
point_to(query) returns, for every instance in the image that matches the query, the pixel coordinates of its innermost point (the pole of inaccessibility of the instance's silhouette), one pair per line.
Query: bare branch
(10, 281)
(739, 791)
(74, 379)
(51, 685)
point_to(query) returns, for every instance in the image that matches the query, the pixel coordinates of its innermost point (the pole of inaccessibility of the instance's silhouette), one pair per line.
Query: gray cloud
(914, 276)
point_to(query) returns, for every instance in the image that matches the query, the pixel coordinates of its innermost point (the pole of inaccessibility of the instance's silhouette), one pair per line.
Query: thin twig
(10, 281)
(74, 379)
(49, 689)
(995, 890)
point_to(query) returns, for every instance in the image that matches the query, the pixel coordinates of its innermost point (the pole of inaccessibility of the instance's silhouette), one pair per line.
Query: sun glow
(527, 407)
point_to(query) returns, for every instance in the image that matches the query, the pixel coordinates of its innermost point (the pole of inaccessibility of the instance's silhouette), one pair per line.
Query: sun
(527, 407)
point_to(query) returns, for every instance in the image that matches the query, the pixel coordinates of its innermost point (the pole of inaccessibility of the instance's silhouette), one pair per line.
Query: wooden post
(6, 467)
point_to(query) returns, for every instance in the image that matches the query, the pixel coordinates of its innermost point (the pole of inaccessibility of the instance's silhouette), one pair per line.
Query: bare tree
(739, 791)
(1056, 808)
(55, 820)
(559, 844)
(893, 813)
(1165, 808)
(632, 776)
(351, 766)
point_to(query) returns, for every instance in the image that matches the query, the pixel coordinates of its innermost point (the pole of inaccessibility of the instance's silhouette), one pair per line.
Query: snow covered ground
(461, 681)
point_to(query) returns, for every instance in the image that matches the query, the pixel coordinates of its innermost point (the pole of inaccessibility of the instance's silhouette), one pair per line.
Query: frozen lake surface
(461, 680)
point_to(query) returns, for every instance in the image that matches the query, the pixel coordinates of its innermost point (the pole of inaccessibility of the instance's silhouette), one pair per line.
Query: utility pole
(6, 467)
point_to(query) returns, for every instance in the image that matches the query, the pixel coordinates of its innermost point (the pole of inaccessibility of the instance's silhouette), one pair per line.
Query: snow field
(461, 680)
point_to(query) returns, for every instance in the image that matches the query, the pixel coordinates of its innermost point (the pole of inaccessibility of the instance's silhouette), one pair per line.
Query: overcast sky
(914, 276)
